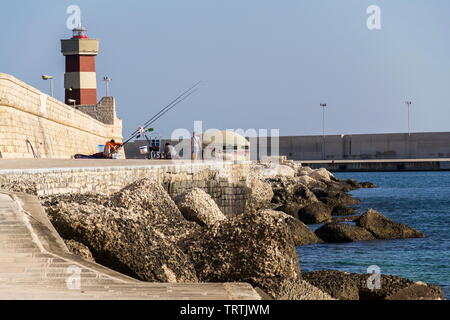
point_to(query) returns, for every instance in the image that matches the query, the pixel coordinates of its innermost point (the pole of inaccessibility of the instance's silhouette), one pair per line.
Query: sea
(418, 199)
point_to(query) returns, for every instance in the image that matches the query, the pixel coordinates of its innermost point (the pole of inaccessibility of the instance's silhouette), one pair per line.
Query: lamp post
(72, 101)
(47, 77)
(323, 106)
(107, 80)
(408, 104)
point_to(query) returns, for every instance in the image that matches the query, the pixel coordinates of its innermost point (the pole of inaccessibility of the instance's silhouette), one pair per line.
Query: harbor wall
(35, 125)
(426, 145)
(224, 181)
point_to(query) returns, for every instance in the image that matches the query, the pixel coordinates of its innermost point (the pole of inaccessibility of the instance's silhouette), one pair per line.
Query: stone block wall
(32, 121)
(225, 182)
(104, 111)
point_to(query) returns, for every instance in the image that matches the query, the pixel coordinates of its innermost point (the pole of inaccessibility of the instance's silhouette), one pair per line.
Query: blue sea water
(418, 199)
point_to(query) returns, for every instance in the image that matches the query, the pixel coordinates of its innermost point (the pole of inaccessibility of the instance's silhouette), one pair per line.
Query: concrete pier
(381, 165)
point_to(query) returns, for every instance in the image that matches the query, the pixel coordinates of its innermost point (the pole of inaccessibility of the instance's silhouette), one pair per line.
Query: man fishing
(111, 147)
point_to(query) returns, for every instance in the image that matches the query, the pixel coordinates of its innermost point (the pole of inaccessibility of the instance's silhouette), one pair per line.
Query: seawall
(32, 124)
(224, 181)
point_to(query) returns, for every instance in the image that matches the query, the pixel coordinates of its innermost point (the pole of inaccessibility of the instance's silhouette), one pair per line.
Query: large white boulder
(196, 205)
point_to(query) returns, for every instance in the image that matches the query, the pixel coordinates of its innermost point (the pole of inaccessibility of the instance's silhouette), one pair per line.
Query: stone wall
(104, 111)
(225, 182)
(32, 124)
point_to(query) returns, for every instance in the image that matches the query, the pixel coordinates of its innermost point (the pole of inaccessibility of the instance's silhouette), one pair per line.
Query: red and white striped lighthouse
(80, 81)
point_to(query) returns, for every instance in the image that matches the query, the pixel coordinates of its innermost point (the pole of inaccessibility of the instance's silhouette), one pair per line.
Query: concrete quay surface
(36, 264)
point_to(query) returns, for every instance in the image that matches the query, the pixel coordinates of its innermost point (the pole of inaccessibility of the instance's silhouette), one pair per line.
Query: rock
(251, 247)
(286, 171)
(322, 174)
(150, 196)
(79, 249)
(338, 202)
(334, 199)
(301, 234)
(301, 290)
(397, 288)
(304, 171)
(198, 206)
(384, 228)
(145, 196)
(344, 219)
(316, 212)
(277, 170)
(339, 285)
(340, 210)
(311, 183)
(352, 183)
(260, 194)
(20, 185)
(124, 241)
(367, 185)
(356, 185)
(335, 232)
(79, 198)
(351, 286)
(290, 195)
(417, 291)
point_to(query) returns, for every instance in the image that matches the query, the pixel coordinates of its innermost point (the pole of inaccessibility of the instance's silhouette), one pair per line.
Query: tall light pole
(107, 80)
(46, 77)
(323, 106)
(408, 104)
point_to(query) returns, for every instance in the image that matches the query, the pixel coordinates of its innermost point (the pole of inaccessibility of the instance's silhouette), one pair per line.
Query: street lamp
(72, 101)
(46, 77)
(323, 106)
(107, 81)
(408, 104)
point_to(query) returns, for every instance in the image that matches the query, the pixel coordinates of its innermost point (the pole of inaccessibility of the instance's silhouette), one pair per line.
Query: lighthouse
(80, 81)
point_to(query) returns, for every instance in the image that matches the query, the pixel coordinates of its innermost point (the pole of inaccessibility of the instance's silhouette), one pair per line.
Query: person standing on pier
(195, 146)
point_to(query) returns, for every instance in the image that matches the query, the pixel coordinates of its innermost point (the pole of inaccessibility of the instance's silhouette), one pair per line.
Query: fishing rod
(167, 106)
(164, 110)
(154, 120)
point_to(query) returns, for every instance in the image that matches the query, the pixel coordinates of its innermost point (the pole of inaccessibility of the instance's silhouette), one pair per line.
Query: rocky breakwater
(143, 232)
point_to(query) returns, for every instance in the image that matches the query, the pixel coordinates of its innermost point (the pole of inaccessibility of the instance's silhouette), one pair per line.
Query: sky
(264, 64)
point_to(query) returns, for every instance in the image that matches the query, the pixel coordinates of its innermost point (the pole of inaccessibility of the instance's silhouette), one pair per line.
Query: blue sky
(264, 64)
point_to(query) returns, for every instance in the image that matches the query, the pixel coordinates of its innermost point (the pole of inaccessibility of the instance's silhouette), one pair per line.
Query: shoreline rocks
(352, 286)
(336, 232)
(314, 213)
(384, 228)
(252, 247)
(141, 231)
(371, 225)
(301, 234)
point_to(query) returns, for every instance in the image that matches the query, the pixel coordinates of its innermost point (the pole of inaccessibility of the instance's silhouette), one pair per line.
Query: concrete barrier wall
(363, 146)
(30, 118)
